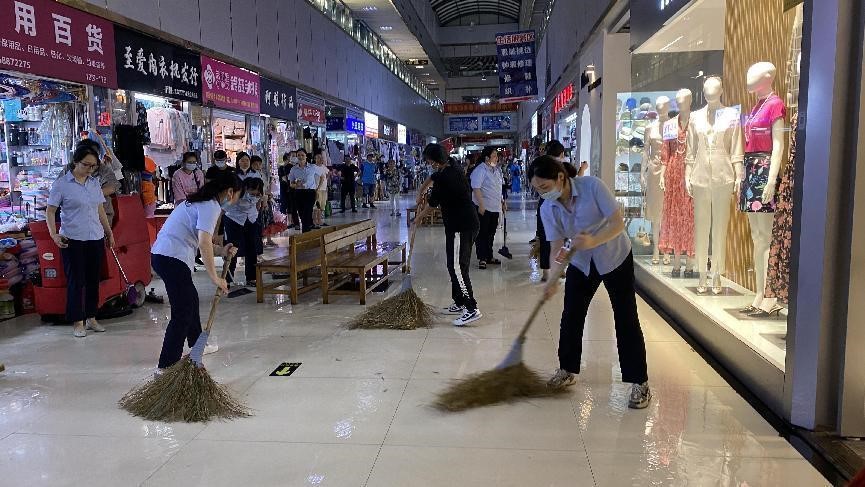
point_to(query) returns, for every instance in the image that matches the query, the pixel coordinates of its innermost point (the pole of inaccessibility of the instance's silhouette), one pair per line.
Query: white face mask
(294, 160)
(552, 195)
(219, 163)
(190, 166)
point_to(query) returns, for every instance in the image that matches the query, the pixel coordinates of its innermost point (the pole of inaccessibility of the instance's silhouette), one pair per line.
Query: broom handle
(540, 303)
(104, 144)
(216, 298)
(413, 231)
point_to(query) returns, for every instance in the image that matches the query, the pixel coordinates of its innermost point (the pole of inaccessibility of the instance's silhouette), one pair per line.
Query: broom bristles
(494, 387)
(183, 393)
(403, 311)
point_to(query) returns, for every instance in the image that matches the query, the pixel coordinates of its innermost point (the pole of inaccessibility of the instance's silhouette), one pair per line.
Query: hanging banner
(463, 124)
(148, 65)
(500, 123)
(48, 38)
(401, 134)
(279, 100)
(229, 87)
(387, 130)
(310, 114)
(516, 65)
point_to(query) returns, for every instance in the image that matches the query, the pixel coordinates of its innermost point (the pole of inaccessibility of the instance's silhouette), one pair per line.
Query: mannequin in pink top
(764, 131)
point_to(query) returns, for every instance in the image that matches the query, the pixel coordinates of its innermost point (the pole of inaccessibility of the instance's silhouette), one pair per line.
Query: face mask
(225, 203)
(251, 199)
(190, 166)
(552, 195)
(220, 163)
(294, 160)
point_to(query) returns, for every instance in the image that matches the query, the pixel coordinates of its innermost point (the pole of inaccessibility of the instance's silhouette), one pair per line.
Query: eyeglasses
(89, 167)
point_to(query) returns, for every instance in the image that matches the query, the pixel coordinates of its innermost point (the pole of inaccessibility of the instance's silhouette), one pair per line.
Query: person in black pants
(348, 174)
(304, 179)
(582, 217)
(243, 230)
(486, 184)
(452, 193)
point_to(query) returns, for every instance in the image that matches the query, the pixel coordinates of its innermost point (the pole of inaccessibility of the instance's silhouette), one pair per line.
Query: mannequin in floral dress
(677, 224)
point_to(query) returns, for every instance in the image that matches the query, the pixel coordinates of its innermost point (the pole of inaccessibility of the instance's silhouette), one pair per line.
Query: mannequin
(677, 223)
(713, 173)
(651, 167)
(764, 149)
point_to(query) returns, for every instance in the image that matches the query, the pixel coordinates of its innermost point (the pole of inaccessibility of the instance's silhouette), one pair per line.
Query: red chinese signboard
(50, 39)
(230, 87)
(563, 98)
(311, 114)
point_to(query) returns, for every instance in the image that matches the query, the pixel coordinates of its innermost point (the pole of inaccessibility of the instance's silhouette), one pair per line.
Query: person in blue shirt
(82, 236)
(242, 229)
(188, 229)
(487, 181)
(581, 214)
(304, 179)
(367, 178)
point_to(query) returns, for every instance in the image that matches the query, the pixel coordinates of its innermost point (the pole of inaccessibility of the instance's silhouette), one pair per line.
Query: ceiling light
(386, 27)
(369, 8)
(419, 67)
(489, 133)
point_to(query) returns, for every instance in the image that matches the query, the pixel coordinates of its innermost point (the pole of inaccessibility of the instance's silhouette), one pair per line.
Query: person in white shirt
(323, 175)
(487, 196)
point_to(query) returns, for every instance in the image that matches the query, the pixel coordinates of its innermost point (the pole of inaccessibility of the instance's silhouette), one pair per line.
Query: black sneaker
(482, 265)
(641, 395)
(455, 309)
(372, 206)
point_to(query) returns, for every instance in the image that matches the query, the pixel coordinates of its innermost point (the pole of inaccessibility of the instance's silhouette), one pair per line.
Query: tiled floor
(357, 411)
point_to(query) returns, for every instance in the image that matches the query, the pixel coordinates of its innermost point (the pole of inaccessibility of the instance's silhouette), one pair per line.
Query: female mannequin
(764, 148)
(651, 167)
(713, 173)
(677, 225)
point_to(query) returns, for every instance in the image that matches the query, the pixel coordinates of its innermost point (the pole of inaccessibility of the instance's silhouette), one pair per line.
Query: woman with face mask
(188, 180)
(581, 214)
(242, 229)
(556, 150)
(188, 229)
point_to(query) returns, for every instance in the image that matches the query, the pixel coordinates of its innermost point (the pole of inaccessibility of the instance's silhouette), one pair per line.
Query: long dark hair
(435, 153)
(548, 167)
(212, 188)
(253, 184)
(82, 151)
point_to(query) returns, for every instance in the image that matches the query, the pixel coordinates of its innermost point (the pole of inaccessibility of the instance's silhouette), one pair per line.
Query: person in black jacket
(452, 193)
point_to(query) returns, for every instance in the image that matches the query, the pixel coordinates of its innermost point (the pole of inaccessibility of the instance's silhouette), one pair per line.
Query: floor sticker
(285, 369)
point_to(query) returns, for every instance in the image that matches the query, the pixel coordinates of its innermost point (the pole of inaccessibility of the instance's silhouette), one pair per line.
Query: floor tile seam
(591, 452)
(475, 447)
(280, 442)
(166, 462)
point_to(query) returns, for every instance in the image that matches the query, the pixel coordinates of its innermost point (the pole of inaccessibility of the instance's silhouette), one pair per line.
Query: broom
(185, 391)
(405, 310)
(510, 380)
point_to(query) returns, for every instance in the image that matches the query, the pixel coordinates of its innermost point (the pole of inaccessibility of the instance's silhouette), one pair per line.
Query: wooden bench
(302, 256)
(434, 217)
(354, 254)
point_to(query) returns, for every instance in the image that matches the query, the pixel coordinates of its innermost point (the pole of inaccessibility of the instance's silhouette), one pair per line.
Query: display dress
(778, 275)
(758, 154)
(677, 224)
(652, 172)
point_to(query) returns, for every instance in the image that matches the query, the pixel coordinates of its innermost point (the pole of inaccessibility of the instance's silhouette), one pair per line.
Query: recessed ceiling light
(386, 27)
(489, 133)
(369, 8)
(419, 67)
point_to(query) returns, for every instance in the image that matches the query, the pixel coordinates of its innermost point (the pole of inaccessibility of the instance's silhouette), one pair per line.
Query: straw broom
(185, 391)
(509, 381)
(405, 310)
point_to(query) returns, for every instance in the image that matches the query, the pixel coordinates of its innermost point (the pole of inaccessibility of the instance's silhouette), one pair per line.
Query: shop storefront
(565, 107)
(345, 128)
(711, 142)
(311, 115)
(233, 95)
(387, 138)
(278, 107)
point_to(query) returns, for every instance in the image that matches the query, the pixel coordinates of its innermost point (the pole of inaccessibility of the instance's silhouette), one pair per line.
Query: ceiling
(476, 12)
(694, 29)
(470, 66)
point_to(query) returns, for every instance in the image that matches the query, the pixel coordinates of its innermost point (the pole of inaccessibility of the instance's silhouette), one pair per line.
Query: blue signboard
(354, 125)
(463, 124)
(335, 124)
(496, 122)
(516, 65)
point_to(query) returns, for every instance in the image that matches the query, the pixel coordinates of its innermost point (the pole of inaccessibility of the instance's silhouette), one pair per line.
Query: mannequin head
(662, 105)
(712, 90)
(760, 77)
(683, 100)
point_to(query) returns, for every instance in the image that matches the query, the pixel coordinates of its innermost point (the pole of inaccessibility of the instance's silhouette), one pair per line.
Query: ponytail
(548, 167)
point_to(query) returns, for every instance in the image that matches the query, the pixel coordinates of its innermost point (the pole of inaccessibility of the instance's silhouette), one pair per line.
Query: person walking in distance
(486, 180)
(392, 180)
(323, 174)
(367, 177)
(580, 214)
(304, 180)
(348, 173)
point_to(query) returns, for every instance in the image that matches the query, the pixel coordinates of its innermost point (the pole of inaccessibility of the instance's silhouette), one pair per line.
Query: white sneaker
(79, 332)
(562, 378)
(208, 349)
(455, 310)
(468, 317)
(641, 395)
(94, 325)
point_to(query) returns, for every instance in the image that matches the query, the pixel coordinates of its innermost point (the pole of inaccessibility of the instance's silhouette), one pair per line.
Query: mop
(509, 381)
(504, 252)
(405, 310)
(185, 391)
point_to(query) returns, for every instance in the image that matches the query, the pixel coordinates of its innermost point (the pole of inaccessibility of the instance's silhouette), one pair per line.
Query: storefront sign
(463, 124)
(387, 130)
(148, 65)
(401, 134)
(354, 125)
(534, 125)
(279, 100)
(496, 123)
(230, 87)
(563, 98)
(457, 108)
(371, 122)
(335, 124)
(48, 38)
(311, 114)
(516, 65)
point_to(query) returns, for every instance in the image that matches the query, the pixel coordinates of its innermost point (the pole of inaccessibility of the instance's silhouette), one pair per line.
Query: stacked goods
(19, 260)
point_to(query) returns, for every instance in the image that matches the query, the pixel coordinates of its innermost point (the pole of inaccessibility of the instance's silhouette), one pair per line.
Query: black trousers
(347, 190)
(579, 291)
(82, 263)
(462, 296)
(185, 322)
(305, 199)
(292, 207)
(542, 240)
(247, 239)
(489, 223)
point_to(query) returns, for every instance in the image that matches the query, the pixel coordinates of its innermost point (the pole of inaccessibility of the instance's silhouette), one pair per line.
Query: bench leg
(362, 288)
(293, 287)
(259, 286)
(325, 286)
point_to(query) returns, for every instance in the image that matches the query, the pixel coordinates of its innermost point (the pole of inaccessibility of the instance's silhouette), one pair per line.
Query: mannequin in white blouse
(713, 173)
(651, 168)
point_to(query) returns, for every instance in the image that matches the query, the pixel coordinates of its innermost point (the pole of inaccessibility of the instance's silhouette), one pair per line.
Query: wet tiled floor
(357, 412)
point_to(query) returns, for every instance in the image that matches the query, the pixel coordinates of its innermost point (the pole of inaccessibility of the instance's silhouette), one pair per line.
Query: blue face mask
(251, 199)
(224, 204)
(552, 195)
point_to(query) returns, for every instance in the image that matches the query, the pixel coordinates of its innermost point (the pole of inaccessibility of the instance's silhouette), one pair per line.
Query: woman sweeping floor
(581, 213)
(190, 228)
